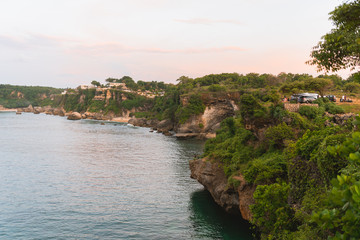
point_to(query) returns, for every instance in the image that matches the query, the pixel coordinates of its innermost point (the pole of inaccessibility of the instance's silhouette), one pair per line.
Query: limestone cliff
(218, 107)
(212, 177)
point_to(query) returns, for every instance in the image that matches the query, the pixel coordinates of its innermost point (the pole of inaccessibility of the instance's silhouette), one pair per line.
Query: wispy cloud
(116, 48)
(31, 41)
(11, 42)
(206, 21)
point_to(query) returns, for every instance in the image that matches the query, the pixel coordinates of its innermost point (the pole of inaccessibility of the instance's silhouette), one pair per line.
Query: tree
(184, 80)
(355, 77)
(110, 80)
(129, 82)
(95, 83)
(292, 87)
(336, 79)
(352, 87)
(318, 84)
(340, 48)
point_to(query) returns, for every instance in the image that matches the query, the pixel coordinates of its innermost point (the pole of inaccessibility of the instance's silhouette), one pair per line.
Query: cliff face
(212, 177)
(218, 108)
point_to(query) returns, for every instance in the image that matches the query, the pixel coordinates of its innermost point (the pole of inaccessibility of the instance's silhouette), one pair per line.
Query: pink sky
(68, 43)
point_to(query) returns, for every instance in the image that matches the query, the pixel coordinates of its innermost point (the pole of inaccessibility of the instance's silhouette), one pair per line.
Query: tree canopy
(320, 85)
(340, 48)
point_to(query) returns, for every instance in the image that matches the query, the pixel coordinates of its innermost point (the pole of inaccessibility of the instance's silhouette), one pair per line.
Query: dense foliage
(84, 101)
(21, 96)
(340, 48)
(289, 157)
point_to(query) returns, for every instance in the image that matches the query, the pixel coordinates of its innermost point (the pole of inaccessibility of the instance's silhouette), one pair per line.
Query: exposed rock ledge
(212, 177)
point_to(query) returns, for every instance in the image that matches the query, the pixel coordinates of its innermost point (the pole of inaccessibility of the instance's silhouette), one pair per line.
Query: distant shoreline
(116, 119)
(8, 110)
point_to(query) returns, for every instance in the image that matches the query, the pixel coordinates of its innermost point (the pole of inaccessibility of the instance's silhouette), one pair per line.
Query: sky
(65, 43)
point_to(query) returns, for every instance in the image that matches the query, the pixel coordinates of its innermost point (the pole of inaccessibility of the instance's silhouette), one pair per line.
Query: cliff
(212, 177)
(203, 125)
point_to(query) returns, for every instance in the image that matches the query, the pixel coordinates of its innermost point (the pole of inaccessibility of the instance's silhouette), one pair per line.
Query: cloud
(205, 21)
(11, 42)
(117, 48)
(31, 41)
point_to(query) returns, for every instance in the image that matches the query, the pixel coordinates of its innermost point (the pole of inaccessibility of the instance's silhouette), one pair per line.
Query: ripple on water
(81, 180)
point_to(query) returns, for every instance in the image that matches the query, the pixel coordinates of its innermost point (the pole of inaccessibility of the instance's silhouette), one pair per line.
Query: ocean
(62, 179)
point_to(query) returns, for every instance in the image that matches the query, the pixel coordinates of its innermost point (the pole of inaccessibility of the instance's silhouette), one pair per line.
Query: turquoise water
(64, 179)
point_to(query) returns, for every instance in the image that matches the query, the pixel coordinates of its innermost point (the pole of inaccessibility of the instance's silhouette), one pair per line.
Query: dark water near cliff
(63, 179)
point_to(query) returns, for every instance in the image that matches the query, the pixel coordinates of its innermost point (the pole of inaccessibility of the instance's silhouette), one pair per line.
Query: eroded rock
(74, 116)
(212, 177)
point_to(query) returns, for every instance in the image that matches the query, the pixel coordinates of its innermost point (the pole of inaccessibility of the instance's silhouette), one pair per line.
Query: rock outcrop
(341, 119)
(74, 116)
(165, 125)
(212, 177)
(205, 125)
(142, 122)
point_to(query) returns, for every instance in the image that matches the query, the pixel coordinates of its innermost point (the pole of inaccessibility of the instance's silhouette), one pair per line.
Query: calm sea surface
(62, 179)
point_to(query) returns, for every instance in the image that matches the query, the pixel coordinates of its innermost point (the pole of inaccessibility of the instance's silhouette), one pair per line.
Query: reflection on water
(81, 180)
(210, 221)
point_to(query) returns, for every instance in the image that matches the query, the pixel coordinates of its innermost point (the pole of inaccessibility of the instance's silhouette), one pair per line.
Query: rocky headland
(234, 200)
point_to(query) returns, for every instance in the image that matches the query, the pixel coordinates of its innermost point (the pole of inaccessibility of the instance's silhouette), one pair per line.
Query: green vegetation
(289, 162)
(22, 96)
(84, 101)
(310, 112)
(340, 49)
(195, 106)
(320, 85)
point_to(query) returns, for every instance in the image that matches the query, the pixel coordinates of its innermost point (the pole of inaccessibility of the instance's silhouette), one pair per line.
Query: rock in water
(74, 116)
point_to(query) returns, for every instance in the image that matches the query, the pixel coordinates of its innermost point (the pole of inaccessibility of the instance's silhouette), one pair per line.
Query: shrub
(231, 146)
(298, 121)
(113, 106)
(330, 107)
(333, 108)
(340, 218)
(194, 107)
(278, 111)
(96, 106)
(276, 135)
(271, 213)
(134, 102)
(310, 112)
(266, 169)
(216, 88)
(252, 111)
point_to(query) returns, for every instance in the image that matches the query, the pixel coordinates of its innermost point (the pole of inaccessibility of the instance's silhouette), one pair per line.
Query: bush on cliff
(271, 211)
(329, 107)
(277, 135)
(166, 106)
(195, 106)
(266, 169)
(216, 88)
(231, 146)
(311, 112)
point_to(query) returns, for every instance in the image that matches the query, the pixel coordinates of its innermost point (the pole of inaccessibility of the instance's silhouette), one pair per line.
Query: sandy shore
(8, 110)
(120, 119)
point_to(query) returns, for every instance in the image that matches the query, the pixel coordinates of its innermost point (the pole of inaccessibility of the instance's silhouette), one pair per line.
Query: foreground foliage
(340, 48)
(292, 163)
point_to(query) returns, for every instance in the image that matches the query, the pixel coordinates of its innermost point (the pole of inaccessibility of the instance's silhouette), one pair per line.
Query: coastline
(120, 119)
(8, 110)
